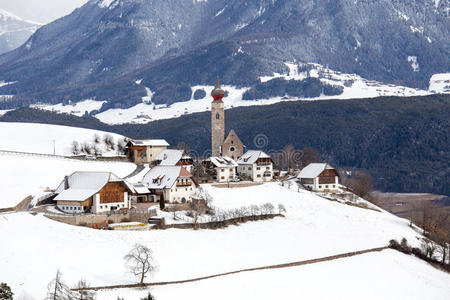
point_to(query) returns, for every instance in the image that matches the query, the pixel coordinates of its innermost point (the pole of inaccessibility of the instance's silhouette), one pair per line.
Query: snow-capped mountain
(102, 49)
(14, 31)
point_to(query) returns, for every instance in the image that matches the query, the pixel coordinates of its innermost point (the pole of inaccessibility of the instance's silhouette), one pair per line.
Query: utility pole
(54, 148)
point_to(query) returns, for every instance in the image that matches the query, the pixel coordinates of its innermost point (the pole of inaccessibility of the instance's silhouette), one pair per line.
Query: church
(231, 146)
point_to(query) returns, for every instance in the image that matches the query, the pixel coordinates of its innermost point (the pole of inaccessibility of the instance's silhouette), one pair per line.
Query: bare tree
(76, 148)
(288, 153)
(58, 290)
(139, 261)
(281, 208)
(310, 155)
(361, 184)
(82, 293)
(185, 147)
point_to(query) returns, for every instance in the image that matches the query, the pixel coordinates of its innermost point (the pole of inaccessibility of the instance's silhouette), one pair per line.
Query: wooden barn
(92, 192)
(319, 177)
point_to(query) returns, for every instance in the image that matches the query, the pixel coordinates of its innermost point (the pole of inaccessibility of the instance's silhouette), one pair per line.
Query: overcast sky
(42, 11)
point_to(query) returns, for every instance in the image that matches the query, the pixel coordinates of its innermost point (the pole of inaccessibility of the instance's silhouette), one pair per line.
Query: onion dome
(217, 93)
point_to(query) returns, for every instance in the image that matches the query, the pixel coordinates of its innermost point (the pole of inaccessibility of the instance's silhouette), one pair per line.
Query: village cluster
(170, 176)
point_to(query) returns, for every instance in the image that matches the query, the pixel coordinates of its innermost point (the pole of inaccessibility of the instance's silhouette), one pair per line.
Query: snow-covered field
(77, 109)
(384, 275)
(49, 139)
(24, 175)
(34, 247)
(146, 111)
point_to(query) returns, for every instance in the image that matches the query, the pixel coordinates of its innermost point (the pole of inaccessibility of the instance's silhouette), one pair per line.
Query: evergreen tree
(5, 292)
(162, 204)
(149, 297)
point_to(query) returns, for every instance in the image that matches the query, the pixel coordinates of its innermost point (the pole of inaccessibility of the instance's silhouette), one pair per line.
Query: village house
(174, 157)
(255, 165)
(319, 177)
(174, 183)
(224, 168)
(93, 192)
(145, 151)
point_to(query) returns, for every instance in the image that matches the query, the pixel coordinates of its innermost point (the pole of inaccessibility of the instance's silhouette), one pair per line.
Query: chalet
(225, 168)
(174, 183)
(145, 151)
(319, 177)
(93, 192)
(173, 157)
(256, 165)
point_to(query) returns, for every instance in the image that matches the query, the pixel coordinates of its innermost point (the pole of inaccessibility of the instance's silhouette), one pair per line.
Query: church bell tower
(217, 120)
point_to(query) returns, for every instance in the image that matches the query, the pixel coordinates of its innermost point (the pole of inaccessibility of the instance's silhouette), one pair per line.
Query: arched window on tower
(217, 116)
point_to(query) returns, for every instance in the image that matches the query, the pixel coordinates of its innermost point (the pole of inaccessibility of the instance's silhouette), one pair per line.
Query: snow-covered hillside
(313, 227)
(14, 31)
(385, 275)
(353, 86)
(24, 175)
(51, 139)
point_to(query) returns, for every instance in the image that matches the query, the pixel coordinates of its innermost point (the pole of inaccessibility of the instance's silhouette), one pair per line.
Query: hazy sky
(42, 11)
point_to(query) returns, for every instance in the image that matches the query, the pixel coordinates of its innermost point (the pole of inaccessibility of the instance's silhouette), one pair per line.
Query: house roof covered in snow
(160, 143)
(141, 188)
(164, 177)
(82, 185)
(313, 170)
(251, 156)
(169, 157)
(223, 162)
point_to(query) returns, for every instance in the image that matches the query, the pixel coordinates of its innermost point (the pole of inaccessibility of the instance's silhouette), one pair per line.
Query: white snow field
(77, 109)
(146, 111)
(25, 175)
(45, 138)
(34, 247)
(381, 275)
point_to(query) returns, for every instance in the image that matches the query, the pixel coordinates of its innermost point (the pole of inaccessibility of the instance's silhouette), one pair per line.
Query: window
(320, 186)
(223, 177)
(259, 175)
(258, 168)
(217, 116)
(249, 168)
(186, 189)
(326, 186)
(267, 168)
(232, 149)
(334, 186)
(222, 170)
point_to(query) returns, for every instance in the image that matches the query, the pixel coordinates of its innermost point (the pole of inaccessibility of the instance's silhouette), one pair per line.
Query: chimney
(66, 182)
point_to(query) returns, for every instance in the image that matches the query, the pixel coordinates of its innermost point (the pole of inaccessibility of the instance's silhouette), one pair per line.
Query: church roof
(229, 136)
(217, 91)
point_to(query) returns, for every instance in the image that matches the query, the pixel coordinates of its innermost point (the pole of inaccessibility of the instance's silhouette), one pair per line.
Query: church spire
(217, 93)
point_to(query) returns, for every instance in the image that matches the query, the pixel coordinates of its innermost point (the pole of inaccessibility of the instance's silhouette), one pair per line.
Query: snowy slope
(388, 275)
(22, 175)
(77, 109)
(14, 31)
(354, 87)
(41, 138)
(313, 227)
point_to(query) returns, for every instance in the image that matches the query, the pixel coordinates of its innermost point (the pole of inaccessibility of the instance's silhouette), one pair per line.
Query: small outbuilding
(319, 177)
